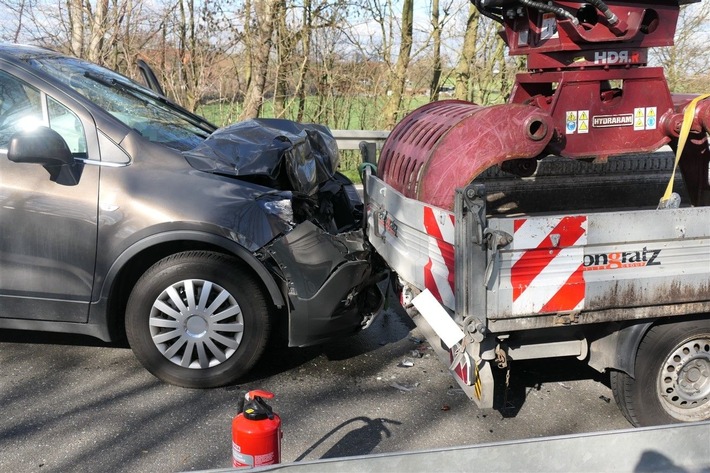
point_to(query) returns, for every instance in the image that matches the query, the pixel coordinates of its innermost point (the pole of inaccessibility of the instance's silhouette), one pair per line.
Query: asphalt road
(75, 404)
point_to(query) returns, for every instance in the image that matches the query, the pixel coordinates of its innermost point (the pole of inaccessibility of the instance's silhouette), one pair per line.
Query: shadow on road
(361, 441)
(390, 327)
(50, 338)
(531, 375)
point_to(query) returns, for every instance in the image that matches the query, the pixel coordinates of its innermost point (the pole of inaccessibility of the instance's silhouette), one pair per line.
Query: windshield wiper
(192, 118)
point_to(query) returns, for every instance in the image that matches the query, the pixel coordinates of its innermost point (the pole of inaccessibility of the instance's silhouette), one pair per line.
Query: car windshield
(150, 114)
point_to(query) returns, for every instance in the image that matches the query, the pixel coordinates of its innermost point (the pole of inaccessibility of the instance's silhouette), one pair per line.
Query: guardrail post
(368, 152)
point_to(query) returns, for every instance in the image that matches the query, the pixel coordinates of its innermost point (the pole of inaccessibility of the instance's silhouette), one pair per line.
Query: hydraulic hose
(494, 13)
(544, 7)
(602, 7)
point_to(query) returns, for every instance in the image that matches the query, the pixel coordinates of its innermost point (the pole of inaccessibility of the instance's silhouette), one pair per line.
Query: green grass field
(338, 113)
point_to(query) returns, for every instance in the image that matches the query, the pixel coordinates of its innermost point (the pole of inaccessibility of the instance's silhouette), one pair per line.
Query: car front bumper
(330, 280)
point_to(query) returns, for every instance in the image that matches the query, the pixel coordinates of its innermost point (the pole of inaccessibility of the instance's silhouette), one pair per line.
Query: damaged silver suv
(123, 213)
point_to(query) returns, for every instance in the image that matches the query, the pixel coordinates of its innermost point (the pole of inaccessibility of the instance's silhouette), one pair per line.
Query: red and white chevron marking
(439, 269)
(547, 273)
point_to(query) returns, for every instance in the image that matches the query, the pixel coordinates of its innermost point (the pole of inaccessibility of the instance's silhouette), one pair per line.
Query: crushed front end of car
(307, 229)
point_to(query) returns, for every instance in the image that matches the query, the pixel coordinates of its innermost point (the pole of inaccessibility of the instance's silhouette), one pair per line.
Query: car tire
(672, 376)
(197, 319)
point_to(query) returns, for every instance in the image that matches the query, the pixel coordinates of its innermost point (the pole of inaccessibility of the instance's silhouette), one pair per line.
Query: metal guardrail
(370, 142)
(670, 448)
(350, 139)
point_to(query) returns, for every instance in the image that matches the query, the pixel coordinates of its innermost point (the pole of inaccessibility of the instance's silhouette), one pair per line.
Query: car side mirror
(45, 146)
(41, 145)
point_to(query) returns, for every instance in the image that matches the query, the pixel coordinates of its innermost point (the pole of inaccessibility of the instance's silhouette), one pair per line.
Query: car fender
(196, 236)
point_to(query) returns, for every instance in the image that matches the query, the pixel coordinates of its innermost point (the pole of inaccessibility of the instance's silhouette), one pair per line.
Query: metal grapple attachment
(445, 145)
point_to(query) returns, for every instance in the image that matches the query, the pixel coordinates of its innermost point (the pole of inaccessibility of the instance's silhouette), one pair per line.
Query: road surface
(76, 404)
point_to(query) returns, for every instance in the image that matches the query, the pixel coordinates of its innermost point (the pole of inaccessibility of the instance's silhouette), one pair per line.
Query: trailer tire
(671, 383)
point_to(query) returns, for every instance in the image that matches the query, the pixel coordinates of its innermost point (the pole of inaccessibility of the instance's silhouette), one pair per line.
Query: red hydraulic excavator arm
(587, 94)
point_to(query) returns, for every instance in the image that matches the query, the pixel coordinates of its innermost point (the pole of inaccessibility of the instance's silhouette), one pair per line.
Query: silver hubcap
(196, 324)
(684, 381)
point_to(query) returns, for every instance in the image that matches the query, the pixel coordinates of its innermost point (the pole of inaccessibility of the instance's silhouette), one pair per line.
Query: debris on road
(406, 363)
(404, 387)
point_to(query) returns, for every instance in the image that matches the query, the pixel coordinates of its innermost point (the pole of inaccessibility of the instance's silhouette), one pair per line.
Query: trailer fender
(617, 350)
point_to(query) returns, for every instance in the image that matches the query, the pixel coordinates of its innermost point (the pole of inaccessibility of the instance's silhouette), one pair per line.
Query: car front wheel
(197, 320)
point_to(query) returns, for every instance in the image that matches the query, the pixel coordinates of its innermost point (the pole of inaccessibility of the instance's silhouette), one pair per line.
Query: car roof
(24, 50)
(19, 54)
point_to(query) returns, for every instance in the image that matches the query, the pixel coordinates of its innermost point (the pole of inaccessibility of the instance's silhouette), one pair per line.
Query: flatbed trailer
(548, 226)
(575, 260)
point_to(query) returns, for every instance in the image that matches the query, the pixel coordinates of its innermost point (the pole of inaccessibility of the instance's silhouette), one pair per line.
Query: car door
(48, 230)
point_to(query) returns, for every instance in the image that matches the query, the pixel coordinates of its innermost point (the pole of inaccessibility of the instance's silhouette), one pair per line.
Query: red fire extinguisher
(256, 432)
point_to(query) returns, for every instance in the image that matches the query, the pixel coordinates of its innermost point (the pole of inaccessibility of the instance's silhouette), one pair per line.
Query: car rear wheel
(197, 319)
(672, 376)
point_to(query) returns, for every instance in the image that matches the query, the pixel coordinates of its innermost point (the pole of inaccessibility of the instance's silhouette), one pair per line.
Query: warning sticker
(583, 121)
(571, 120)
(548, 28)
(651, 118)
(240, 459)
(639, 119)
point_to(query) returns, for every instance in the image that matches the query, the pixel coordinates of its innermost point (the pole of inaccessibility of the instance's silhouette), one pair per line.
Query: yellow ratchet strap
(682, 138)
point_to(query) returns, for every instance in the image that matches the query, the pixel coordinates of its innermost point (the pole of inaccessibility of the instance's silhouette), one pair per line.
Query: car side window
(21, 108)
(66, 123)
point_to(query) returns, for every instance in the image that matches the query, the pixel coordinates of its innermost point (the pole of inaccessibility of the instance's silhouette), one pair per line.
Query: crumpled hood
(279, 153)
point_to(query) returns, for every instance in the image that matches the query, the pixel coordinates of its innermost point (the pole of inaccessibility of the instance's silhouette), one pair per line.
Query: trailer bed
(591, 259)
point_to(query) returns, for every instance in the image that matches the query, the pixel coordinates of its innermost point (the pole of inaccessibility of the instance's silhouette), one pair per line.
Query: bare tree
(306, 39)
(259, 41)
(187, 50)
(99, 25)
(333, 62)
(688, 58)
(462, 75)
(399, 76)
(490, 65)
(436, 46)
(76, 27)
(285, 44)
(18, 9)
(193, 60)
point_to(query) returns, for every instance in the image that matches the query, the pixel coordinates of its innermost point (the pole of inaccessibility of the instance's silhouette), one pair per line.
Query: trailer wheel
(197, 320)
(672, 376)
